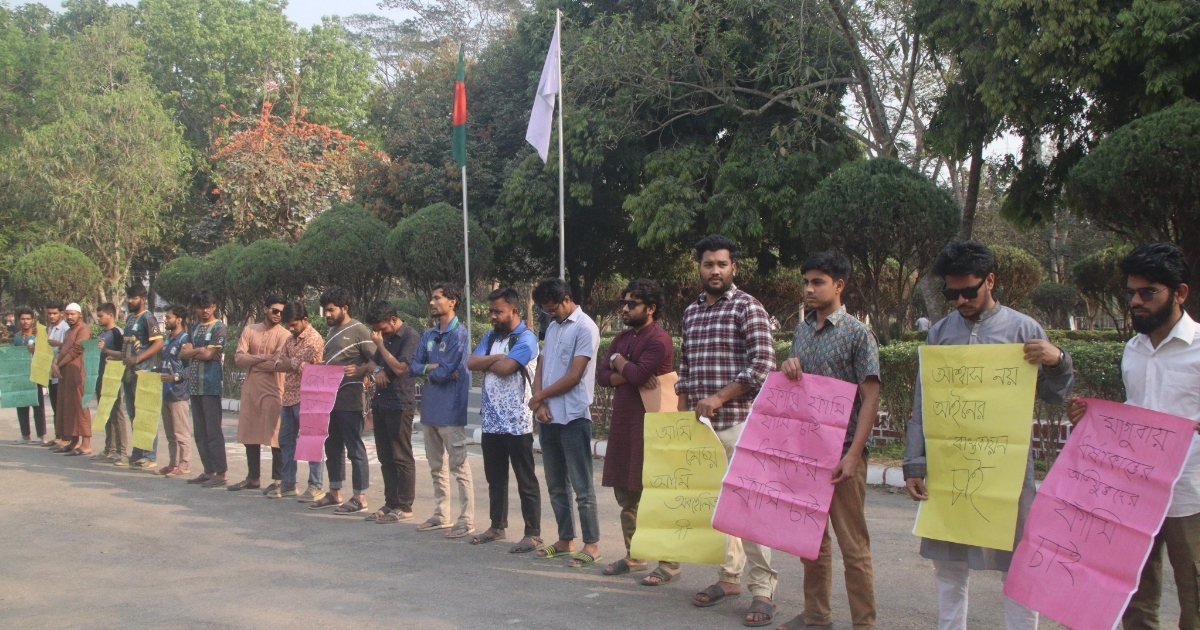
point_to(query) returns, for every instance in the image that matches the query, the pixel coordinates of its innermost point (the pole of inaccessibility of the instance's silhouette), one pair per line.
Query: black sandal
(488, 536)
(662, 576)
(622, 567)
(526, 547)
(760, 607)
(715, 594)
(322, 503)
(353, 506)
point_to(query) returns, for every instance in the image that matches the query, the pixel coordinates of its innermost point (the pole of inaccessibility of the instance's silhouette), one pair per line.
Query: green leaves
(55, 273)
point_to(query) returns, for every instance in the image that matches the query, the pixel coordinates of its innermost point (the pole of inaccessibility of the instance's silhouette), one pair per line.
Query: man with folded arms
(205, 348)
(258, 416)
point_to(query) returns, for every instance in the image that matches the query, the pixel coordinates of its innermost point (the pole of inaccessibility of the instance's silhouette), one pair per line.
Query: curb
(885, 476)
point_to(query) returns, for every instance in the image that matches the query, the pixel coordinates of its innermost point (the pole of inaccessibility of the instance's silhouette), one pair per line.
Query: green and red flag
(460, 112)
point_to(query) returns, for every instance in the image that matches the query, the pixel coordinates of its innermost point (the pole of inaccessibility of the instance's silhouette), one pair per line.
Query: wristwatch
(614, 356)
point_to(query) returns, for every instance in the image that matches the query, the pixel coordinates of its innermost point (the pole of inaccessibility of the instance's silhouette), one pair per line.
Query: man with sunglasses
(262, 394)
(636, 358)
(966, 267)
(1161, 370)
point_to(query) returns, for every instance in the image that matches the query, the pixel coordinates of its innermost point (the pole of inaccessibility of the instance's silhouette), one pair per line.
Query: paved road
(92, 546)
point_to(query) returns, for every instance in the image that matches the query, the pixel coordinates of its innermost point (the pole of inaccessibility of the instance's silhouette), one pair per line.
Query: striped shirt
(726, 342)
(350, 344)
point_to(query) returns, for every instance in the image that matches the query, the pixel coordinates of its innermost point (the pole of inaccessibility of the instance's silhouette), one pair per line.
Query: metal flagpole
(466, 256)
(562, 234)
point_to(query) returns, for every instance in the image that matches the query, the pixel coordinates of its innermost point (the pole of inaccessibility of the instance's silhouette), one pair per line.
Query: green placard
(16, 390)
(91, 368)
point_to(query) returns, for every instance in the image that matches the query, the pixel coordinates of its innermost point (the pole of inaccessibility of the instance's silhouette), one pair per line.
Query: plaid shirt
(307, 348)
(726, 342)
(844, 348)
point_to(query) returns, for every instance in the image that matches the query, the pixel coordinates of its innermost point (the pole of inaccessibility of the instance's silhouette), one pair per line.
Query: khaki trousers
(849, 521)
(1181, 537)
(441, 442)
(177, 424)
(760, 577)
(629, 501)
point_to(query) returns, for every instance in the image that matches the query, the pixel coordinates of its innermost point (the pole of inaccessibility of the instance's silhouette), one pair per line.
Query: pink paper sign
(1096, 514)
(777, 489)
(318, 391)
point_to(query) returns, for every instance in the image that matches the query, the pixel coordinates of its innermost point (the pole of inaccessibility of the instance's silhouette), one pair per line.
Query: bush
(344, 246)
(898, 365)
(1018, 273)
(178, 279)
(424, 248)
(55, 272)
(1056, 302)
(213, 275)
(261, 268)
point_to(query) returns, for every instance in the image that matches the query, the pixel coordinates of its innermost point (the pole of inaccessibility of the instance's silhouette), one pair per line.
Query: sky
(302, 12)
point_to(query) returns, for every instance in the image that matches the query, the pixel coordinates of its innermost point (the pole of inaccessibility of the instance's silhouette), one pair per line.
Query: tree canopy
(55, 272)
(344, 246)
(426, 248)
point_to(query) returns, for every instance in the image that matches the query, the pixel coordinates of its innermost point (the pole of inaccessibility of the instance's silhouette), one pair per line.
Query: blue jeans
(289, 431)
(137, 453)
(567, 457)
(345, 440)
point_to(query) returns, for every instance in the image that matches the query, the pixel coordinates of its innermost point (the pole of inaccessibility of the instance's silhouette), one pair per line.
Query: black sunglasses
(1146, 293)
(970, 292)
(276, 311)
(630, 304)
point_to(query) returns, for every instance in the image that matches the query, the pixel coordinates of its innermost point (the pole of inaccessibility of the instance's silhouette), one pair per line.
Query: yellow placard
(147, 406)
(43, 356)
(110, 388)
(681, 477)
(977, 405)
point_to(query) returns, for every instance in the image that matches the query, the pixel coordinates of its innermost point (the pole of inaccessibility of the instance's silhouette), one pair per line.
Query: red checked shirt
(726, 342)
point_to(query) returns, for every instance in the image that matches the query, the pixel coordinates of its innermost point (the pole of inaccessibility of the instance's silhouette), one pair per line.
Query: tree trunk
(971, 203)
(931, 297)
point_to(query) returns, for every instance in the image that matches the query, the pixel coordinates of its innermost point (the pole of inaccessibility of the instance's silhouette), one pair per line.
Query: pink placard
(318, 392)
(1096, 514)
(777, 489)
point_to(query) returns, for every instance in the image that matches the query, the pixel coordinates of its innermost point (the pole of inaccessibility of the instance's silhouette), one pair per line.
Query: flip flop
(798, 623)
(353, 506)
(583, 559)
(663, 577)
(378, 514)
(549, 551)
(488, 536)
(622, 567)
(526, 547)
(322, 503)
(78, 453)
(395, 516)
(762, 608)
(431, 525)
(460, 530)
(715, 594)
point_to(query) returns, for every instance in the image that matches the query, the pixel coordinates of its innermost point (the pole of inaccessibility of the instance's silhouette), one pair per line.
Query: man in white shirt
(1161, 370)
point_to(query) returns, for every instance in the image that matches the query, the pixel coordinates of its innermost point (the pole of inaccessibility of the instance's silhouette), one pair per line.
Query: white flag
(542, 117)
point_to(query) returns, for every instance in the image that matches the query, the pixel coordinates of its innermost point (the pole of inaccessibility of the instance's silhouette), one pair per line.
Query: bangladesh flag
(460, 112)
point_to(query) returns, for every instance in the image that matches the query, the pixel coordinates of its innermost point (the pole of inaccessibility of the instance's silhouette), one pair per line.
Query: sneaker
(312, 494)
(101, 456)
(142, 464)
(271, 488)
(278, 491)
(123, 462)
(22, 441)
(37, 442)
(215, 482)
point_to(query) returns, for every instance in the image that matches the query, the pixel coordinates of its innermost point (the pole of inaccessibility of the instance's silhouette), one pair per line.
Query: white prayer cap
(73, 307)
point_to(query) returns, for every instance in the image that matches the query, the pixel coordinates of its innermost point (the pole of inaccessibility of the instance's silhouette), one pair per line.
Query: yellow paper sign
(147, 406)
(43, 356)
(110, 388)
(977, 405)
(681, 477)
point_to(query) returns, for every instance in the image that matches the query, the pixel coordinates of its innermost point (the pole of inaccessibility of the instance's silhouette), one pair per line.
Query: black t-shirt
(401, 393)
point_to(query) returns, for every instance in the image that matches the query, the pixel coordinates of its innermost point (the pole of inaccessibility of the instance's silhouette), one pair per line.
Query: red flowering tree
(276, 174)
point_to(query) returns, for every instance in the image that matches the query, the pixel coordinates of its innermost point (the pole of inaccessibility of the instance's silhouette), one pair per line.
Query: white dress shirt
(1167, 379)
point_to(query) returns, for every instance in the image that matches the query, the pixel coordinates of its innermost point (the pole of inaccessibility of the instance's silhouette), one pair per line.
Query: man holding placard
(304, 347)
(116, 433)
(1161, 371)
(141, 345)
(27, 336)
(966, 268)
(831, 342)
(727, 353)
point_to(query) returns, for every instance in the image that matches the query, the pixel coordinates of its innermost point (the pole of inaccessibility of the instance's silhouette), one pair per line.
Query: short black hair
(202, 298)
(136, 289)
(380, 311)
(274, 298)
(336, 296)
(1163, 263)
(715, 243)
(24, 310)
(58, 306)
(964, 258)
(294, 311)
(450, 291)
(507, 294)
(179, 311)
(107, 307)
(830, 262)
(647, 291)
(551, 291)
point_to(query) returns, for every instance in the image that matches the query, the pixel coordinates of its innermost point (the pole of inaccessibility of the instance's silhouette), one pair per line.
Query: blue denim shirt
(576, 336)
(444, 396)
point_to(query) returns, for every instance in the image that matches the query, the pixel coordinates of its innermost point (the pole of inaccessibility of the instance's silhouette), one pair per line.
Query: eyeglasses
(630, 304)
(970, 292)
(1146, 293)
(276, 311)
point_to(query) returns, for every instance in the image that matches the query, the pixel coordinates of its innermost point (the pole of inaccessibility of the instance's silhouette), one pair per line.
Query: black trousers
(58, 432)
(500, 450)
(206, 428)
(39, 416)
(345, 441)
(393, 447)
(254, 462)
